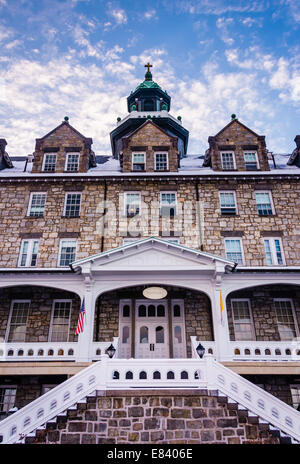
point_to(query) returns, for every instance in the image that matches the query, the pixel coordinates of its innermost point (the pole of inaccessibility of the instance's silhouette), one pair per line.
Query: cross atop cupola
(148, 75)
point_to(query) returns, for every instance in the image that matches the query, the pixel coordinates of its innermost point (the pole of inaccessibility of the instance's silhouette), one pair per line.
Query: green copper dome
(147, 84)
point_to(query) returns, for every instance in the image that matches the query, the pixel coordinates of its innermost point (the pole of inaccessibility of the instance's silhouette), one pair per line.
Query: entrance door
(151, 329)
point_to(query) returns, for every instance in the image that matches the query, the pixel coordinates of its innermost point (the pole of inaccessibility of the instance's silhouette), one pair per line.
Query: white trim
(235, 201)
(293, 313)
(30, 203)
(65, 203)
(161, 153)
(67, 158)
(164, 192)
(233, 157)
(31, 242)
(273, 251)
(44, 161)
(256, 157)
(250, 315)
(242, 249)
(269, 192)
(132, 163)
(59, 300)
(10, 316)
(60, 247)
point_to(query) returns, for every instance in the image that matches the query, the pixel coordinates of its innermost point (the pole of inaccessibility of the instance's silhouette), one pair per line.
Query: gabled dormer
(149, 149)
(63, 149)
(237, 148)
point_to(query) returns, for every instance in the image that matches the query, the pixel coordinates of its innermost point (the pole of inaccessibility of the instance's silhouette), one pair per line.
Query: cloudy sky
(81, 58)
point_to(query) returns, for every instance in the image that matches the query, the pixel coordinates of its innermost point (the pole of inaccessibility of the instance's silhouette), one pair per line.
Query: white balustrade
(99, 348)
(50, 351)
(265, 351)
(210, 347)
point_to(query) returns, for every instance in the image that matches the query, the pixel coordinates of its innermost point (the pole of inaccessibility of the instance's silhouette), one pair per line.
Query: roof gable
(64, 125)
(144, 125)
(236, 121)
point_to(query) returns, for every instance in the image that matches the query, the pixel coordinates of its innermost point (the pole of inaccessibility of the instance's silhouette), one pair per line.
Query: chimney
(3, 144)
(297, 141)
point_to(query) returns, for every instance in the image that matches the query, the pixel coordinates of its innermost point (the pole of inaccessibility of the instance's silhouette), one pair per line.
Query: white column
(85, 339)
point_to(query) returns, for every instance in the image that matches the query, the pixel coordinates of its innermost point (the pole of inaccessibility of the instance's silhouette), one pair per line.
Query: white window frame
(242, 249)
(60, 249)
(9, 387)
(293, 314)
(30, 204)
(271, 202)
(132, 163)
(295, 386)
(235, 202)
(65, 204)
(273, 251)
(155, 162)
(67, 159)
(44, 161)
(233, 157)
(250, 314)
(31, 242)
(125, 202)
(10, 317)
(256, 157)
(165, 192)
(62, 300)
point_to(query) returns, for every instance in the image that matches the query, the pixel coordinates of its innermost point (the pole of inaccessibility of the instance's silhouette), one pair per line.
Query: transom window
(18, 321)
(161, 161)
(227, 203)
(274, 254)
(242, 320)
(151, 310)
(72, 204)
(36, 204)
(28, 253)
(61, 314)
(72, 162)
(7, 399)
(285, 318)
(233, 248)
(132, 204)
(67, 252)
(264, 203)
(227, 159)
(138, 161)
(168, 201)
(50, 162)
(251, 163)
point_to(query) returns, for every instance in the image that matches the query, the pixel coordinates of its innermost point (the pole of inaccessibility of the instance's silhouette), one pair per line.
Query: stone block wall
(160, 417)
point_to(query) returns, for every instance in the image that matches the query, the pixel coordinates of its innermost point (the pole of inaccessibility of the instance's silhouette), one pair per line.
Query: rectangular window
(285, 318)
(227, 202)
(7, 399)
(49, 162)
(295, 393)
(60, 322)
(138, 161)
(72, 204)
(161, 161)
(72, 162)
(36, 205)
(132, 204)
(264, 203)
(29, 252)
(67, 252)
(18, 321)
(274, 254)
(251, 161)
(242, 319)
(233, 248)
(227, 159)
(168, 204)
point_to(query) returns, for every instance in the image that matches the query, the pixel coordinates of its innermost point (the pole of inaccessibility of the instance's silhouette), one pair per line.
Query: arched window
(176, 310)
(142, 311)
(159, 334)
(126, 311)
(156, 375)
(144, 334)
(184, 375)
(177, 334)
(151, 311)
(143, 375)
(125, 334)
(129, 375)
(170, 375)
(160, 311)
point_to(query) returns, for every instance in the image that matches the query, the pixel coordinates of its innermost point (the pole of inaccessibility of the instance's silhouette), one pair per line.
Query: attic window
(72, 162)
(228, 163)
(138, 161)
(49, 162)
(251, 161)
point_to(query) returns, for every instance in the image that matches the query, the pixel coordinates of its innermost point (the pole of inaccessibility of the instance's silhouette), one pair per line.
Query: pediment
(152, 255)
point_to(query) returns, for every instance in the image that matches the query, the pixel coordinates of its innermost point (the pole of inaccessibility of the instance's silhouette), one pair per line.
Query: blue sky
(82, 58)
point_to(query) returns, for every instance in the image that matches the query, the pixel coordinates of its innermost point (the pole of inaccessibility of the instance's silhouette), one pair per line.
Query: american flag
(80, 323)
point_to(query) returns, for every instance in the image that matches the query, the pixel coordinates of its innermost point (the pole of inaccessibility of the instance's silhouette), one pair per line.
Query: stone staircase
(171, 417)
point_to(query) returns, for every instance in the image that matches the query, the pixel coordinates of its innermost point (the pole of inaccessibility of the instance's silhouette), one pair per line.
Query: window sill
(34, 217)
(70, 217)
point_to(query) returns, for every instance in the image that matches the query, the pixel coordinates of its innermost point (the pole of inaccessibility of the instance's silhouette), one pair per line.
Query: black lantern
(111, 351)
(200, 350)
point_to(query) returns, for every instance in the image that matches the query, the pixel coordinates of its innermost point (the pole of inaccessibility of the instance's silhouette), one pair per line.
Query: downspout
(104, 212)
(198, 213)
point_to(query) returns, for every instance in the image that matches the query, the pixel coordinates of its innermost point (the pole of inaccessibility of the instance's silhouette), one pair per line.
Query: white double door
(151, 329)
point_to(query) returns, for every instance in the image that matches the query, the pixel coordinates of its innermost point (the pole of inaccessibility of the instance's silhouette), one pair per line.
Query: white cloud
(119, 15)
(286, 78)
(150, 14)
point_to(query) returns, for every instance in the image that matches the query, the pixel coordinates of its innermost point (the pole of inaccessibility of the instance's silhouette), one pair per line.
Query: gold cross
(148, 65)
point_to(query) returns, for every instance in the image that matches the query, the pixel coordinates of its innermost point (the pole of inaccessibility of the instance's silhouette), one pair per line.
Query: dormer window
(251, 161)
(72, 162)
(161, 161)
(49, 162)
(228, 162)
(138, 161)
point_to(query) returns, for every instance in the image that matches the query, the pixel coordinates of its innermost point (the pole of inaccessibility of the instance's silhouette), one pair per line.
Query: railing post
(85, 339)
(103, 372)
(210, 371)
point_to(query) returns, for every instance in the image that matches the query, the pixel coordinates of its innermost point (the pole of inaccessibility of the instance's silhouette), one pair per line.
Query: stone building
(168, 253)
